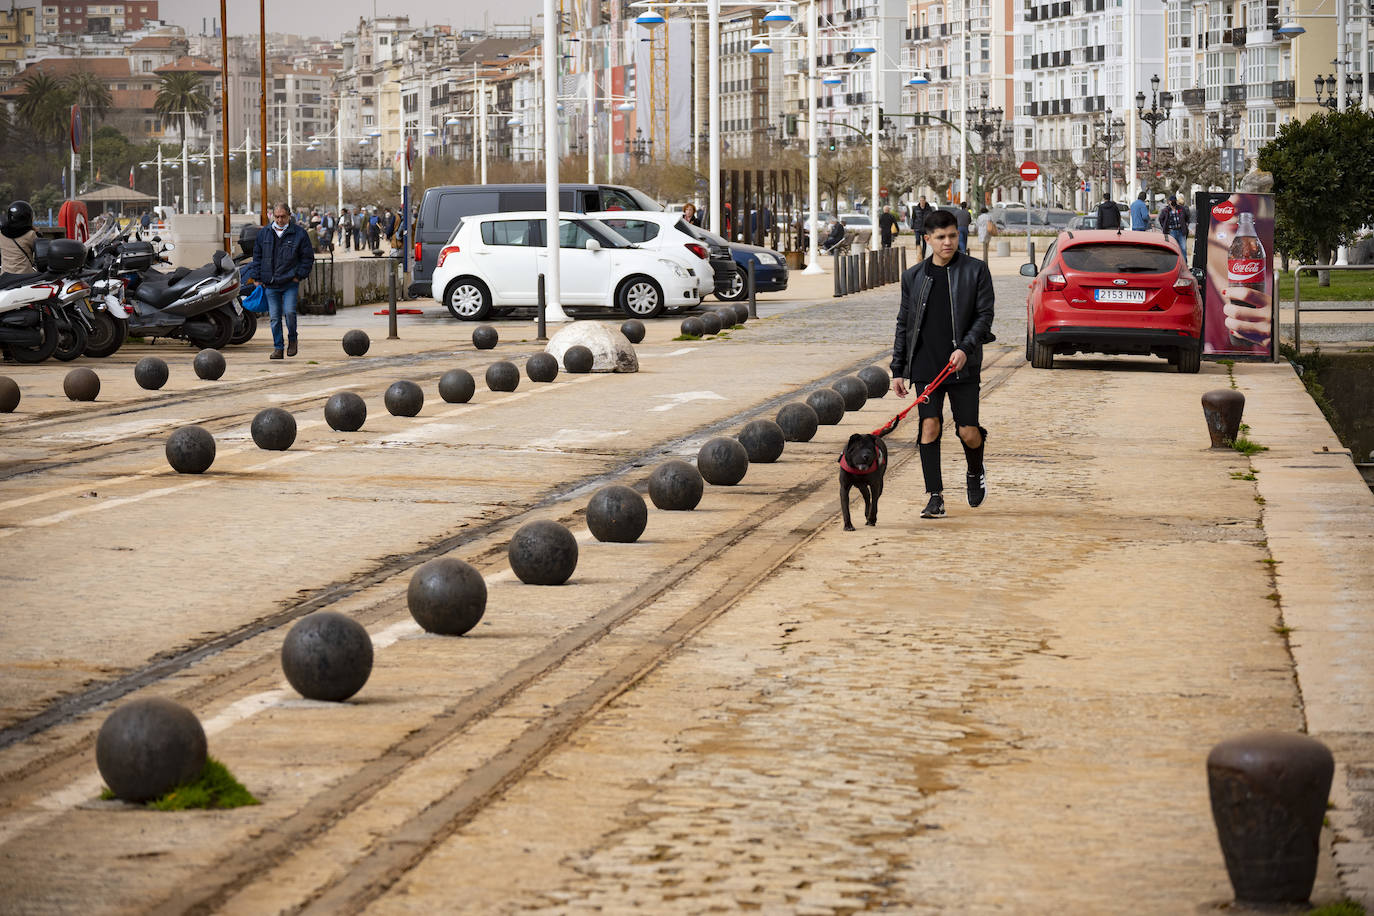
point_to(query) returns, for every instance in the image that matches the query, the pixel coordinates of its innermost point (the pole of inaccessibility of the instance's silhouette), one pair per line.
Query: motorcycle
(33, 307)
(200, 306)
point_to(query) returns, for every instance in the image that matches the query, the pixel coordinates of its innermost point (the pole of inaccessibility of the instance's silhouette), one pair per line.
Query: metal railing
(1297, 296)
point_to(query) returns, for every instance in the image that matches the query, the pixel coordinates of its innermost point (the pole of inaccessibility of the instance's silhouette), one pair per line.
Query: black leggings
(963, 404)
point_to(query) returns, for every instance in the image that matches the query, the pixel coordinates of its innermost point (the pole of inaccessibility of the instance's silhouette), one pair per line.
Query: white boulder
(611, 351)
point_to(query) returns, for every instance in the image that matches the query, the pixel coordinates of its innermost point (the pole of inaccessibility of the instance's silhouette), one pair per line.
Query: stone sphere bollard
(763, 441)
(710, 323)
(1222, 409)
(633, 330)
(81, 385)
(151, 373)
(327, 656)
(345, 412)
(877, 380)
(578, 359)
(741, 312)
(355, 343)
(723, 462)
(447, 596)
(209, 365)
(1269, 792)
(798, 422)
(9, 394)
(503, 376)
(456, 386)
(617, 514)
(542, 367)
(484, 337)
(403, 399)
(148, 747)
(726, 314)
(274, 429)
(692, 327)
(190, 450)
(543, 553)
(853, 390)
(676, 486)
(828, 404)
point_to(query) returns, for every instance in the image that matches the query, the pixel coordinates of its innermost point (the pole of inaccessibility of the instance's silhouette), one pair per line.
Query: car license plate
(1136, 296)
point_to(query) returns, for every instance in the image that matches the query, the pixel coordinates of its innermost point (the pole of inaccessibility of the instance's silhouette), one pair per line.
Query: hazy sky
(331, 18)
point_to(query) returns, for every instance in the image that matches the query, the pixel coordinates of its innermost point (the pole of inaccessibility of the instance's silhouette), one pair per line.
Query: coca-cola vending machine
(1235, 248)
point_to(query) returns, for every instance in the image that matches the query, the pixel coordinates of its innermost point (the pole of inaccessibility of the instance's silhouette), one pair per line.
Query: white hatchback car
(493, 261)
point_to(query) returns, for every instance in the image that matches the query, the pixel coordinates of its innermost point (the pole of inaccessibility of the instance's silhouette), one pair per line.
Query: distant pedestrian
(374, 231)
(389, 225)
(18, 240)
(984, 229)
(346, 229)
(1173, 222)
(689, 214)
(1140, 213)
(963, 218)
(888, 227)
(1108, 216)
(328, 223)
(146, 220)
(282, 258)
(917, 221)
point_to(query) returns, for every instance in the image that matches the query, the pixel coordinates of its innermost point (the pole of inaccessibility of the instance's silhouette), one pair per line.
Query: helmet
(19, 215)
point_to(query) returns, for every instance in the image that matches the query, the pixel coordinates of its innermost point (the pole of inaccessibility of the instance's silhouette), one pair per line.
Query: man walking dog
(945, 318)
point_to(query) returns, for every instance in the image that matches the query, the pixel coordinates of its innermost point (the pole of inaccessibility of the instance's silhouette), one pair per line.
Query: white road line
(685, 397)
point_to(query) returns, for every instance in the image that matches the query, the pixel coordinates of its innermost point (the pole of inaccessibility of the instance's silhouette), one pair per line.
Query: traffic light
(832, 144)
(881, 124)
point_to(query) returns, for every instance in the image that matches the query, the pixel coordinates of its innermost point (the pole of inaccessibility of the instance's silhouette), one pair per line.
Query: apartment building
(80, 17)
(18, 35)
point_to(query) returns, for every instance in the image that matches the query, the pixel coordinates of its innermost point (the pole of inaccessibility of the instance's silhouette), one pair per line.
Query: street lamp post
(1226, 125)
(986, 122)
(1111, 132)
(1160, 103)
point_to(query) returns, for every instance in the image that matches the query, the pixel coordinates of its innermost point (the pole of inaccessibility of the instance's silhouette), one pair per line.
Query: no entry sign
(1029, 171)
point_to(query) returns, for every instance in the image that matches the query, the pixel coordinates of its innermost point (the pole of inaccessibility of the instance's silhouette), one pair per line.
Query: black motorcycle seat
(13, 281)
(163, 292)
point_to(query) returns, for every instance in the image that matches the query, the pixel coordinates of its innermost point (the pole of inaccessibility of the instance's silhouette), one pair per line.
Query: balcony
(1233, 94)
(1233, 37)
(1194, 98)
(1282, 91)
(1093, 103)
(1094, 53)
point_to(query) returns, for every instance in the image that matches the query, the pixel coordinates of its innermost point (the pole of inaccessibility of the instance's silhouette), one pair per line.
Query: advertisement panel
(1235, 247)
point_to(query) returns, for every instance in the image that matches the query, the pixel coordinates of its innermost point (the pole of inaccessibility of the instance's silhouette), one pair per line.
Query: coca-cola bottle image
(1244, 271)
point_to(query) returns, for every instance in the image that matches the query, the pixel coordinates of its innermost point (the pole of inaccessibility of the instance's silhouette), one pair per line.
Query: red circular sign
(882, 192)
(410, 152)
(1223, 211)
(76, 128)
(1029, 171)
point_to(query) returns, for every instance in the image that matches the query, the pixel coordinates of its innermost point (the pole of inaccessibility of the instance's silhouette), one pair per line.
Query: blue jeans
(282, 303)
(963, 240)
(1182, 238)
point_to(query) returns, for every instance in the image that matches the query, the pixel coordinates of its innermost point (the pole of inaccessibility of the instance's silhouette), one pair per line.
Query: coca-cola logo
(1242, 269)
(1223, 211)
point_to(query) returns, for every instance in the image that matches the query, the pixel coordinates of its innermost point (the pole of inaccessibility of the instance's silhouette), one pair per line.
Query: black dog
(862, 464)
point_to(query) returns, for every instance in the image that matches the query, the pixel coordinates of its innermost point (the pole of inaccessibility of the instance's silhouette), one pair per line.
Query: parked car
(493, 262)
(1083, 221)
(770, 267)
(1103, 291)
(1014, 218)
(669, 230)
(442, 207)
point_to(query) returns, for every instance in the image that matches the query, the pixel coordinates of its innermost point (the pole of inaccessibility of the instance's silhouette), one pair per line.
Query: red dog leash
(921, 399)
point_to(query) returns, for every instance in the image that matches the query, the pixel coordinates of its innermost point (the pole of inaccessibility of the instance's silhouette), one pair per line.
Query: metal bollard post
(391, 302)
(903, 265)
(838, 277)
(863, 271)
(753, 289)
(1030, 252)
(542, 332)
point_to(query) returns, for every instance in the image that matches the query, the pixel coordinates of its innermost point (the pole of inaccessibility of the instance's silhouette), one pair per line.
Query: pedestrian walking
(984, 229)
(389, 227)
(963, 218)
(945, 318)
(346, 229)
(18, 240)
(282, 258)
(918, 223)
(888, 227)
(329, 223)
(1173, 222)
(1140, 213)
(1108, 216)
(374, 232)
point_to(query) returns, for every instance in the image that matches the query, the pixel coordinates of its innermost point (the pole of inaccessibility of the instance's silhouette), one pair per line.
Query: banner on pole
(1235, 247)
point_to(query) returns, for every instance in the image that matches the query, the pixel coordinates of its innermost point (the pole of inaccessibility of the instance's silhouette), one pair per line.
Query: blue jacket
(1140, 214)
(278, 264)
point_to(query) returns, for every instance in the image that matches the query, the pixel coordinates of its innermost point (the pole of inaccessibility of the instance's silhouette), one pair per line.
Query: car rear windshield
(1111, 258)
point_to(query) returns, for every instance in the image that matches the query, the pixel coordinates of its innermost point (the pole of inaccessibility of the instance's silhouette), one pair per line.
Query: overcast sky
(331, 18)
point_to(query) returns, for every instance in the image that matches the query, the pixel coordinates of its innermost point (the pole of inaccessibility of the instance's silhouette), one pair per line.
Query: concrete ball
(456, 386)
(676, 486)
(633, 330)
(209, 365)
(828, 404)
(503, 376)
(355, 343)
(151, 373)
(447, 596)
(710, 323)
(485, 337)
(877, 380)
(191, 450)
(578, 359)
(345, 412)
(9, 394)
(274, 429)
(542, 367)
(81, 385)
(148, 747)
(726, 314)
(763, 441)
(327, 656)
(692, 327)
(741, 312)
(798, 422)
(403, 399)
(723, 462)
(617, 514)
(853, 390)
(543, 553)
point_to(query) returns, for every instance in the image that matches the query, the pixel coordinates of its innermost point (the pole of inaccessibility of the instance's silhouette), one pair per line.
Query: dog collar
(846, 466)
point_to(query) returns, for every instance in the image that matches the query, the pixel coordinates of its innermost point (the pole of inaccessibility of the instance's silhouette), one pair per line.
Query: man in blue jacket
(1140, 213)
(282, 258)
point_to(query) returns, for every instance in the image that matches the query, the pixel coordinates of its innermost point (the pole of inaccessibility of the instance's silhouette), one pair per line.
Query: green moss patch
(215, 787)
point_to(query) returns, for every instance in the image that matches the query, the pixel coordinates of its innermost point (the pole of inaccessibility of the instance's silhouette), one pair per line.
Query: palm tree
(91, 93)
(184, 94)
(44, 107)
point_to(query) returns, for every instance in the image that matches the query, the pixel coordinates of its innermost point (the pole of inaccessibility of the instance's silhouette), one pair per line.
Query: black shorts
(963, 402)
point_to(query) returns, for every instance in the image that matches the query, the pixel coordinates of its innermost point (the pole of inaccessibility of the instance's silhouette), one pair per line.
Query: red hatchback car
(1103, 291)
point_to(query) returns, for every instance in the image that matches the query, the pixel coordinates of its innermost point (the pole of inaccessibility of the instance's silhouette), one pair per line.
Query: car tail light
(1184, 281)
(1055, 282)
(698, 250)
(447, 250)
(418, 253)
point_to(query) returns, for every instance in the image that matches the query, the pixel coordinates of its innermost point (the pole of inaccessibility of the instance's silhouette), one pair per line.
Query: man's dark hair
(1140, 196)
(1107, 196)
(939, 219)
